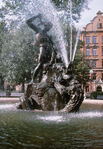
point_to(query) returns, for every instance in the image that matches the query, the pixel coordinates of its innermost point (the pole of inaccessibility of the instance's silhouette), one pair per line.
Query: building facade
(92, 35)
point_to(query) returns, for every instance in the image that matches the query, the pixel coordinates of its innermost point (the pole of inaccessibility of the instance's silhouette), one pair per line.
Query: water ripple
(51, 118)
(7, 106)
(68, 117)
(22, 129)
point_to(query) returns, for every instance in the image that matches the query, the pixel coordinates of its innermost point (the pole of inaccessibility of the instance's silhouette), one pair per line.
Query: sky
(88, 15)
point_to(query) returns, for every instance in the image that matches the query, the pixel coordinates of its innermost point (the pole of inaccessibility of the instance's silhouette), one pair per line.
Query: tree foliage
(14, 7)
(3, 31)
(82, 71)
(77, 6)
(18, 54)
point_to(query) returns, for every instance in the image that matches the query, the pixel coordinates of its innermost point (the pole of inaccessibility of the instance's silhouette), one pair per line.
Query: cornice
(92, 32)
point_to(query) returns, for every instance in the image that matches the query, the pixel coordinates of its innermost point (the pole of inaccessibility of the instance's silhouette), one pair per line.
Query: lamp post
(91, 73)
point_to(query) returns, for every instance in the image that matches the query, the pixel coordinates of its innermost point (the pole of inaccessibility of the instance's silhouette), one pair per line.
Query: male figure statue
(46, 45)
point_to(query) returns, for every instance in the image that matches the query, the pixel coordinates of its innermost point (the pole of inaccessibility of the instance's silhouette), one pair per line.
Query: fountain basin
(38, 130)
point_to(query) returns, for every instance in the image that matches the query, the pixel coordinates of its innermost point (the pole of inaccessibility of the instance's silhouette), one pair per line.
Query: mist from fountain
(49, 12)
(7, 106)
(76, 44)
(69, 117)
(47, 9)
(70, 8)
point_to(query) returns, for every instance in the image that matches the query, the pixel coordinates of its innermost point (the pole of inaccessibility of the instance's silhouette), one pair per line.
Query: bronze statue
(59, 88)
(45, 42)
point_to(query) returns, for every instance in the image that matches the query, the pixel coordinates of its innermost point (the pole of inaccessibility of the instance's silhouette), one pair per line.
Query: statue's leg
(36, 71)
(40, 74)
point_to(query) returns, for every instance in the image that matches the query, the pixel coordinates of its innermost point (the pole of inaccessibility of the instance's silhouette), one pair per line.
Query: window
(87, 89)
(87, 52)
(102, 39)
(94, 52)
(94, 39)
(102, 51)
(99, 25)
(87, 39)
(102, 63)
(94, 76)
(94, 63)
(88, 63)
(99, 89)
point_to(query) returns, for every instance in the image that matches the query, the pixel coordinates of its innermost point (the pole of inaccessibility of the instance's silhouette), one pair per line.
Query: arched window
(99, 25)
(99, 89)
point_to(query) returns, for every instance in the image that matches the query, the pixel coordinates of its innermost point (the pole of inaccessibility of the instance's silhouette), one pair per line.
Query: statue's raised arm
(33, 23)
(38, 24)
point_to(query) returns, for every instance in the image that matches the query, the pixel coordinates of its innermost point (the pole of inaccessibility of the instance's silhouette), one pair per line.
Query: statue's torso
(46, 48)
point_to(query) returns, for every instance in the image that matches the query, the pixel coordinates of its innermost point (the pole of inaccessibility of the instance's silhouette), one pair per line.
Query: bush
(8, 91)
(94, 95)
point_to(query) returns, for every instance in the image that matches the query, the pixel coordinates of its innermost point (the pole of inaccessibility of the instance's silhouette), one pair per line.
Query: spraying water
(72, 51)
(48, 10)
(76, 44)
(70, 5)
(32, 8)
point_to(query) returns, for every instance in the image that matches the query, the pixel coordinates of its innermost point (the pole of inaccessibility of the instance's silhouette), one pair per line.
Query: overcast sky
(88, 15)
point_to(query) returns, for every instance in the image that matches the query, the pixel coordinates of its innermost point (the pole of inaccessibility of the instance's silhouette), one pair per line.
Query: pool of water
(51, 130)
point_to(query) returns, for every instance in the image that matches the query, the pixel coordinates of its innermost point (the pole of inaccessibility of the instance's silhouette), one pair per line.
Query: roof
(99, 12)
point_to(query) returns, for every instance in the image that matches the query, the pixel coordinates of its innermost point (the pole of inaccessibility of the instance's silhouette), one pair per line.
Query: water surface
(41, 130)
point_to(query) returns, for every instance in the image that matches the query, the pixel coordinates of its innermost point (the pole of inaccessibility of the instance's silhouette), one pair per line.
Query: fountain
(57, 90)
(57, 82)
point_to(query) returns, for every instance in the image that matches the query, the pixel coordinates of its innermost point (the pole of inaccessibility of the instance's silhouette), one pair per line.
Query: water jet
(57, 83)
(39, 126)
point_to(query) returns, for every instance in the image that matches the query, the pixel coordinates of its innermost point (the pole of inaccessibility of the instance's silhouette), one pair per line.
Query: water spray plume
(72, 52)
(76, 44)
(70, 4)
(48, 10)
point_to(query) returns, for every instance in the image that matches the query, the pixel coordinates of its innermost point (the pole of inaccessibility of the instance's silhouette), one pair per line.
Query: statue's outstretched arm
(32, 25)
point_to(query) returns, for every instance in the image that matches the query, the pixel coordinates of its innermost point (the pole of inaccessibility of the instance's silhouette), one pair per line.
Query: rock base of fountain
(58, 90)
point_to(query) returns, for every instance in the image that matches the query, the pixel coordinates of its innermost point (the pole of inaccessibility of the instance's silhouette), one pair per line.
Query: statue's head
(42, 24)
(47, 26)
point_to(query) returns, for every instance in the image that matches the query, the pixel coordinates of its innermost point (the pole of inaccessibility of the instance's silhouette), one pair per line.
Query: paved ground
(13, 94)
(93, 101)
(9, 98)
(13, 98)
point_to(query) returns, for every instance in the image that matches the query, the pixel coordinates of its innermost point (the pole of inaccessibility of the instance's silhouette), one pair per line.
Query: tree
(19, 56)
(82, 71)
(3, 31)
(80, 67)
(16, 9)
(77, 7)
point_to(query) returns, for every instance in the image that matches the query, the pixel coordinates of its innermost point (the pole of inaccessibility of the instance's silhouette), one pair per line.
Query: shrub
(94, 95)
